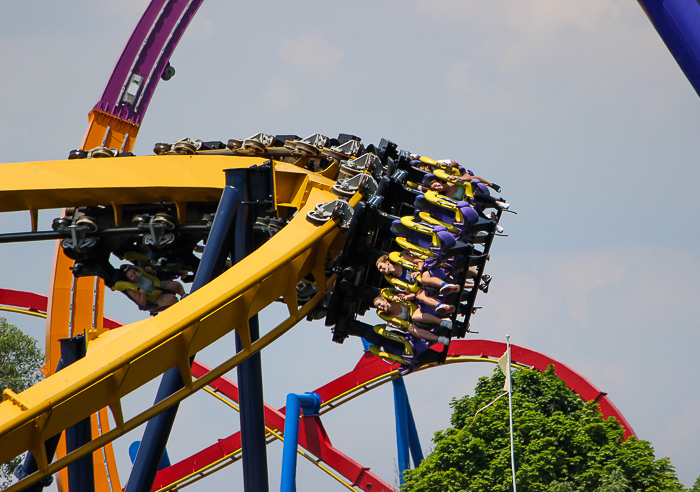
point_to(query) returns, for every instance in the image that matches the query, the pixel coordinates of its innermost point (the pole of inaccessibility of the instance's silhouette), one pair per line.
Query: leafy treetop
(562, 444)
(20, 360)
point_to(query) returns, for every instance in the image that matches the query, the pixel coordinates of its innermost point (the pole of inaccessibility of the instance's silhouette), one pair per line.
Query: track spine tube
(70, 350)
(158, 429)
(311, 403)
(250, 384)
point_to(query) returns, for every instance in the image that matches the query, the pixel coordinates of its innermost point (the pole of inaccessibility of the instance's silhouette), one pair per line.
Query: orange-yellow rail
(122, 360)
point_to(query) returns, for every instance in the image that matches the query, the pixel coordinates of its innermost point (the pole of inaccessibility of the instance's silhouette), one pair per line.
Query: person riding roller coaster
(408, 277)
(414, 317)
(147, 290)
(458, 192)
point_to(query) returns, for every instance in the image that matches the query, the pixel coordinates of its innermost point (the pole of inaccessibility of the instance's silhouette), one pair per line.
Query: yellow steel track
(124, 359)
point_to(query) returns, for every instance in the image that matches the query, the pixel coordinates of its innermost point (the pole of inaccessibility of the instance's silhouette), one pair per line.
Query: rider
(145, 289)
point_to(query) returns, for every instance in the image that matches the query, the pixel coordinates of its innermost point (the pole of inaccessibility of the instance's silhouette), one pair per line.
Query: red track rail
(312, 435)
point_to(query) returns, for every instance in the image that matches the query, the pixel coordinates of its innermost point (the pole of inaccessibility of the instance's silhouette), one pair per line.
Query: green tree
(695, 487)
(20, 360)
(562, 444)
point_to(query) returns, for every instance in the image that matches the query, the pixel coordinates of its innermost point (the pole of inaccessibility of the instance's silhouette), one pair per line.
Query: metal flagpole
(510, 408)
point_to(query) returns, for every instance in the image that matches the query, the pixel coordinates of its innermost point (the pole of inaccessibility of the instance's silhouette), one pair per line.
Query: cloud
(313, 54)
(200, 30)
(548, 57)
(280, 94)
(128, 11)
(683, 430)
(575, 276)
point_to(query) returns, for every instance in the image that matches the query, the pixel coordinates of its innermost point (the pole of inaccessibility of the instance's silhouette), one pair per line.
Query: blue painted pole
(678, 24)
(402, 437)
(158, 429)
(311, 404)
(81, 474)
(413, 441)
(134, 449)
(69, 354)
(250, 384)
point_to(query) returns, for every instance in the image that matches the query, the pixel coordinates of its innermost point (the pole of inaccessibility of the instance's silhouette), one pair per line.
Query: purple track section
(152, 34)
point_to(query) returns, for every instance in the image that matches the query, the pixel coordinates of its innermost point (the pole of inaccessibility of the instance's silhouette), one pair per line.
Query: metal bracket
(327, 211)
(78, 228)
(155, 228)
(363, 183)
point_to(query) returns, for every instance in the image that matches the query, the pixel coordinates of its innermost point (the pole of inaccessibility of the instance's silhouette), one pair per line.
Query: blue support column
(81, 474)
(406, 432)
(250, 384)
(400, 397)
(72, 349)
(158, 429)
(311, 404)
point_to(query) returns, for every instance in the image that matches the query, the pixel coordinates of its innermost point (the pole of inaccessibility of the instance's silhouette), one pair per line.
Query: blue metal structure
(134, 449)
(310, 404)
(678, 24)
(70, 352)
(254, 191)
(158, 429)
(406, 433)
(81, 474)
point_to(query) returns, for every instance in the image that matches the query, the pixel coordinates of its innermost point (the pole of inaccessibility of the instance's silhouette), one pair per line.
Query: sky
(576, 109)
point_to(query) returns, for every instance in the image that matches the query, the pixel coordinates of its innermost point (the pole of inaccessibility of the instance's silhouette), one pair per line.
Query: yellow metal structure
(122, 360)
(109, 131)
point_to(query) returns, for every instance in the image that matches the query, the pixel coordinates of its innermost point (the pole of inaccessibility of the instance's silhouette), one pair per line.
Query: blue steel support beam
(158, 429)
(400, 396)
(81, 474)
(311, 404)
(413, 441)
(678, 24)
(250, 384)
(406, 432)
(69, 354)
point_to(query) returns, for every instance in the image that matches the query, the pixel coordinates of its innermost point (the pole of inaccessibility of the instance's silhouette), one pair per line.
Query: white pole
(510, 408)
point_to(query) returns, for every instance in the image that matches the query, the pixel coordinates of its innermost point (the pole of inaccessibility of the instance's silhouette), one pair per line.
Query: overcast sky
(576, 109)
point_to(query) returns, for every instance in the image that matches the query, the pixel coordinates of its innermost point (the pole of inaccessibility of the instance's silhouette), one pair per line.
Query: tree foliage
(562, 444)
(695, 487)
(20, 360)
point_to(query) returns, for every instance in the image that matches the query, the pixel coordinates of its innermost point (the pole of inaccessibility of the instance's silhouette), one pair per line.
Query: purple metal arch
(146, 55)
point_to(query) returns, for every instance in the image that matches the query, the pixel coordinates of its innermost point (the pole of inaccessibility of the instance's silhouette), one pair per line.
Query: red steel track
(369, 373)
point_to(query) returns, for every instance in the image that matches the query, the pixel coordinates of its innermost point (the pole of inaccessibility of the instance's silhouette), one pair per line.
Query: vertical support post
(250, 385)
(70, 348)
(406, 432)
(311, 404)
(158, 429)
(81, 474)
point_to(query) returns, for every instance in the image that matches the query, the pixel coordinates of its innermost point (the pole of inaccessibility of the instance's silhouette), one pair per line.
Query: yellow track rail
(127, 180)
(122, 360)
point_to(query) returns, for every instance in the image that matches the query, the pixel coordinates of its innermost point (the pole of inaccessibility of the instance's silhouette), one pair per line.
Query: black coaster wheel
(77, 154)
(338, 156)
(69, 244)
(162, 148)
(87, 222)
(140, 219)
(306, 148)
(184, 148)
(254, 145)
(165, 220)
(234, 144)
(101, 152)
(60, 222)
(165, 240)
